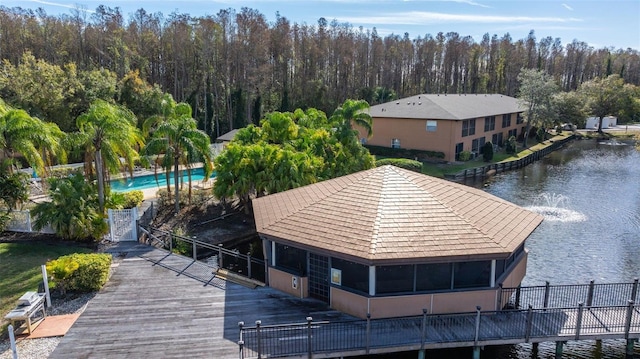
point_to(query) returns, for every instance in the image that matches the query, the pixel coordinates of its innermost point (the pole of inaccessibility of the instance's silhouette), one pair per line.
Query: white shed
(609, 121)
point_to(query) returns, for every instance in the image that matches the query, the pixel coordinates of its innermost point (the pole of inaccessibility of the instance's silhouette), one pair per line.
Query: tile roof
(447, 107)
(388, 213)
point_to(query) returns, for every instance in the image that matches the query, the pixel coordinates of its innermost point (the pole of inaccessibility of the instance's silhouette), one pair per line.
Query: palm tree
(35, 140)
(181, 143)
(353, 112)
(109, 136)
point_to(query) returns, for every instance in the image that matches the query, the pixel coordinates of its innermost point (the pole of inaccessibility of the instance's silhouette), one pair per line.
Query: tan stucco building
(445, 123)
(390, 242)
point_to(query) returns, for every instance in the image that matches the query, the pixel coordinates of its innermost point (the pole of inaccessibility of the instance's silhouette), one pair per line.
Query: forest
(235, 66)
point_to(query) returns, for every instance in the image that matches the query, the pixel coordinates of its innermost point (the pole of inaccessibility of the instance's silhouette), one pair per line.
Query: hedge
(419, 155)
(405, 163)
(91, 273)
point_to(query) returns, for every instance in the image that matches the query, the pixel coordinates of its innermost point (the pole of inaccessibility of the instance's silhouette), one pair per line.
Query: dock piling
(559, 348)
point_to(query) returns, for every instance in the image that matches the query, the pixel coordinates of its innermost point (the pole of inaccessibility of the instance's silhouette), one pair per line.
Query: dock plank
(163, 306)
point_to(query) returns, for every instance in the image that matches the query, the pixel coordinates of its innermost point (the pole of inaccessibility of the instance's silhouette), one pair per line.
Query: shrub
(402, 163)
(487, 152)
(132, 199)
(541, 135)
(73, 210)
(79, 272)
(60, 271)
(464, 156)
(511, 146)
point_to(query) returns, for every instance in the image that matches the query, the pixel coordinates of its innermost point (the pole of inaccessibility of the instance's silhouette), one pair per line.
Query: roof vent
(419, 103)
(408, 103)
(418, 96)
(397, 103)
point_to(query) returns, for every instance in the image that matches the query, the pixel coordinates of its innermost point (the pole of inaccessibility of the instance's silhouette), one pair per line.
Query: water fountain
(554, 207)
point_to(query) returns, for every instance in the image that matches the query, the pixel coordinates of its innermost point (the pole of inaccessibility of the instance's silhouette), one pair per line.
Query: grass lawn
(20, 268)
(440, 170)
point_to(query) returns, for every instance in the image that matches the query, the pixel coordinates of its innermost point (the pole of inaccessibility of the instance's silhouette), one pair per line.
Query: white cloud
(68, 6)
(567, 7)
(422, 17)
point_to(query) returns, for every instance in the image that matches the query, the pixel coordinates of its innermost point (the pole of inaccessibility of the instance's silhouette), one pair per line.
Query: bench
(30, 304)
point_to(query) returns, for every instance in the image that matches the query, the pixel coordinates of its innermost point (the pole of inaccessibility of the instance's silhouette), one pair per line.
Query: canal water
(589, 195)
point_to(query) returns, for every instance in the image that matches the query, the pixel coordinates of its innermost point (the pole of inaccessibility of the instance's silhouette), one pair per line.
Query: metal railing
(215, 255)
(561, 296)
(438, 330)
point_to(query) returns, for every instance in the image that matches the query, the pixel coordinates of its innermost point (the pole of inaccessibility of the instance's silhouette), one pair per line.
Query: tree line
(235, 66)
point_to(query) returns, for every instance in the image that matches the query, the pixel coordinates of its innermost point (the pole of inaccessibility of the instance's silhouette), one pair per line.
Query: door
(319, 277)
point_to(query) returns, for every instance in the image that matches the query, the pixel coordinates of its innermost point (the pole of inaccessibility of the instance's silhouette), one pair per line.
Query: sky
(599, 23)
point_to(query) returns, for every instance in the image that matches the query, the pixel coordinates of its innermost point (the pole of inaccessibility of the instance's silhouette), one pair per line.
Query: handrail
(228, 259)
(477, 328)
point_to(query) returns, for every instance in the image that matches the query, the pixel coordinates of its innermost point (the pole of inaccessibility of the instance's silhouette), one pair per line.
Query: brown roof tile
(390, 213)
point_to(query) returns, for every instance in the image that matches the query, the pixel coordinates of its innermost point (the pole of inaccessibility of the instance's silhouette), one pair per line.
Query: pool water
(151, 181)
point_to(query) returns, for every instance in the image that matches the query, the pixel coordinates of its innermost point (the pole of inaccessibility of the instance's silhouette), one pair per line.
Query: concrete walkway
(157, 305)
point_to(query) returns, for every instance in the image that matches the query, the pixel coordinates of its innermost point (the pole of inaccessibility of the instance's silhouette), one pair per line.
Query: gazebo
(390, 242)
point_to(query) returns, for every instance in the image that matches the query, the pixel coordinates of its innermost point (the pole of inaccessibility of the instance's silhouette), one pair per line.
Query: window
(363, 141)
(354, 276)
(481, 142)
(506, 121)
(291, 259)
(468, 128)
(504, 265)
(513, 133)
(519, 119)
(394, 279)
(432, 126)
(395, 143)
(471, 274)
(489, 123)
(459, 149)
(433, 277)
(474, 146)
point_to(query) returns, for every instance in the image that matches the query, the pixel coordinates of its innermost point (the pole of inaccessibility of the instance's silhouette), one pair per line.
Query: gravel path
(43, 347)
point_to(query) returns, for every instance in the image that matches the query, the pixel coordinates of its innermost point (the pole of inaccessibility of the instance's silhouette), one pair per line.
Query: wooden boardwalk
(157, 305)
(442, 331)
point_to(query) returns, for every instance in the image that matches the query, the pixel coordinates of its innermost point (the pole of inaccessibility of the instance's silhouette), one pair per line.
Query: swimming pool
(151, 181)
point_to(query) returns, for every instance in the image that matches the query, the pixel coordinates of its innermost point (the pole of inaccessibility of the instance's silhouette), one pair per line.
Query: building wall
(435, 303)
(413, 134)
(283, 281)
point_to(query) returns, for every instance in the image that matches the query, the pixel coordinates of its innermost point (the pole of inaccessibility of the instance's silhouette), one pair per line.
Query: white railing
(122, 224)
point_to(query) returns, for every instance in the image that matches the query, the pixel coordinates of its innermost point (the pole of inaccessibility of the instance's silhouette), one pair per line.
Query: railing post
(634, 289)
(309, 343)
(12, 342)
(579, 320)
(475, 340)
(424, 328)
(220, 256)
(249, 264)
(529, 324)
(193, 249)
(170, 242)
(368, 338)
(546, 294)
(499, 303)
(258, 339)
(627, 322)
(517, 304)
(590, 293)
(241, 341)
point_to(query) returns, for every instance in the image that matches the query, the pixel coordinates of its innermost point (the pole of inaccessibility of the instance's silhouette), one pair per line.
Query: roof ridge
(449, 207)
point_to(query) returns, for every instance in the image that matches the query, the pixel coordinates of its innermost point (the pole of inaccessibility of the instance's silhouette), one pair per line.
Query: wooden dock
(157, 305)
(161, 305)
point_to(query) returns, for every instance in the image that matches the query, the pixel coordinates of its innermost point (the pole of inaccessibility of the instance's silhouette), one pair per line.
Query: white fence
(122, 224)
